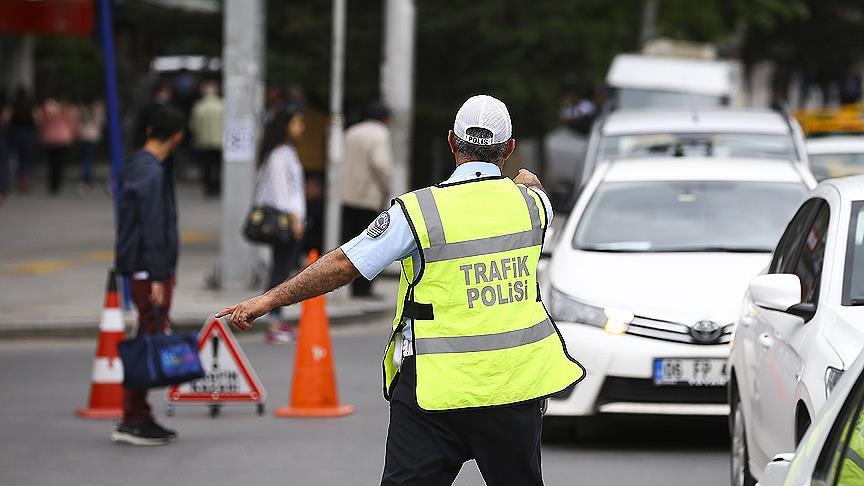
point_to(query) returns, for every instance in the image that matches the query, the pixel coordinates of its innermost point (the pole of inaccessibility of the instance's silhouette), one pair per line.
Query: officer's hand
(527, 178)
(243, 314)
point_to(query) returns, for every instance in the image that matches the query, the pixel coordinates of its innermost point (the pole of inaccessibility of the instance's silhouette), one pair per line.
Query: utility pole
(649, 21)
(242, 64)
(397, 84)
(333, 213)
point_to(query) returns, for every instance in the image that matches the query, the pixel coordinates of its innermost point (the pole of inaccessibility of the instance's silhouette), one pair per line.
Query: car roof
(850, 188)
(701, 169)
(695, 120)
(669, 73)
(834, 145)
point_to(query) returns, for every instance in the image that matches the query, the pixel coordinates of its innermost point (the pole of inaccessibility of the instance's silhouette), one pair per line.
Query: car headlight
(832, 376)
(568, 309)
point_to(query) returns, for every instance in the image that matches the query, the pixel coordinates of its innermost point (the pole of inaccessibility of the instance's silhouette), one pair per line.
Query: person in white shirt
(281, 186)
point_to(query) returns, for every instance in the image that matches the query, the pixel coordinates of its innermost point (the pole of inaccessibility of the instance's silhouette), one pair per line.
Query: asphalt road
(44, 444)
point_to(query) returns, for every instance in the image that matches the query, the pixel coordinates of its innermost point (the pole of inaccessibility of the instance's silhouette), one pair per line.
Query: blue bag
(160, 360)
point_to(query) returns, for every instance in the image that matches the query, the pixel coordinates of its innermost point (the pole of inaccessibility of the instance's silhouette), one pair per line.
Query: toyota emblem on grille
(706, 331)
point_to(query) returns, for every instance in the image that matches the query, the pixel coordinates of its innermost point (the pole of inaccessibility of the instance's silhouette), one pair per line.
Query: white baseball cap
(483, 111)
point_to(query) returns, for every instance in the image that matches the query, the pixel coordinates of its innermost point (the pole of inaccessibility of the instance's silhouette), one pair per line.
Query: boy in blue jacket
(147, 247)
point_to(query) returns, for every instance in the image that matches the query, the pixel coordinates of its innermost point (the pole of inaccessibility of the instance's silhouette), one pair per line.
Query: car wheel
(740, 470)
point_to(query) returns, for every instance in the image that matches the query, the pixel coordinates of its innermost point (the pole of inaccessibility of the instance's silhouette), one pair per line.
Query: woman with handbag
(280, 205)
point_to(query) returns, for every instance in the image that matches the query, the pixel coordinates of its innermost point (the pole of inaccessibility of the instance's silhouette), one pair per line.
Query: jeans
(4, 164)
(283, 264)
(151, 320)
(88, 153)
(23, 143)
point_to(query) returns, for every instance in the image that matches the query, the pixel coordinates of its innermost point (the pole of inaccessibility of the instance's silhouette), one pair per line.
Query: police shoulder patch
(379, 226)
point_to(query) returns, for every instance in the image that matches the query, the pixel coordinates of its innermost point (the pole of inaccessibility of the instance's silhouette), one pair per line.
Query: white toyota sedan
(800, 327)
(646, 278)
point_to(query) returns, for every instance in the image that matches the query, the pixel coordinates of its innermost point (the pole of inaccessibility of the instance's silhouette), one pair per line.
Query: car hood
(678, 287)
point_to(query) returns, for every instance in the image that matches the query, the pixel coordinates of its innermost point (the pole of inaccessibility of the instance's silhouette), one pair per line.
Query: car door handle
(766, 340)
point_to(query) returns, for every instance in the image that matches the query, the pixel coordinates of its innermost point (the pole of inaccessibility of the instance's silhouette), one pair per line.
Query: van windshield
(650, 98)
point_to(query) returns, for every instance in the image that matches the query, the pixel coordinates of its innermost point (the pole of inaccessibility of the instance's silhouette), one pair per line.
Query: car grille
(616, 389)
(673, 331)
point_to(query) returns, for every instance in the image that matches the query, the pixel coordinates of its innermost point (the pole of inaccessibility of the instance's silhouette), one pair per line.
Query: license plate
(690, 371)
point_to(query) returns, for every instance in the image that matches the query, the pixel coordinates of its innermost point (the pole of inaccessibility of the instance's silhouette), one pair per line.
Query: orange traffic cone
(313, 389)
(106, 387)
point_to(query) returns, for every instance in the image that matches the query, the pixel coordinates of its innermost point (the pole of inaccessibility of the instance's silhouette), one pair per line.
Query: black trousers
(57, 157)
(354, 222)
(428, 449)
(211, 171)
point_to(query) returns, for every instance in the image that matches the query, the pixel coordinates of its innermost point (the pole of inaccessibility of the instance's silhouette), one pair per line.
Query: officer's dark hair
(164, 122)
(484, 153)
(377, 111)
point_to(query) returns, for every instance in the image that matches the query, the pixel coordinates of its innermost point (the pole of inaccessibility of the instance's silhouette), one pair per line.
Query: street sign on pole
(333, 214)
(397, 84)
(243, 66)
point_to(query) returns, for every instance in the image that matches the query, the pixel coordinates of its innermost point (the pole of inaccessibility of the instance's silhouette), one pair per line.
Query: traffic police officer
(473, 351)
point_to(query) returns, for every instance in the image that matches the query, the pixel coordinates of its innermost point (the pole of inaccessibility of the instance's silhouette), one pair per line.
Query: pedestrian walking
(146, 251)
(206, 127)
(366, 174)
(90, 135)
(23, 138)
(58, 122)
(473, 352)
(281, 187)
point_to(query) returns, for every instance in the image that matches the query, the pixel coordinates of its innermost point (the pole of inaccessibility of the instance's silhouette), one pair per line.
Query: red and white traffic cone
(106, 384)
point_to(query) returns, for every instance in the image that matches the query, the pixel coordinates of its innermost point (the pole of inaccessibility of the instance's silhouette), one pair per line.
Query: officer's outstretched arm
(330, 272)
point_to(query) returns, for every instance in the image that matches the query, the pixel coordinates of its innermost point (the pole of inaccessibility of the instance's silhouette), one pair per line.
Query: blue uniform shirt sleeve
(394, 241)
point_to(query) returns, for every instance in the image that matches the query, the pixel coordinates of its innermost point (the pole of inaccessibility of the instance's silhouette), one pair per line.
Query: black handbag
(268, 225)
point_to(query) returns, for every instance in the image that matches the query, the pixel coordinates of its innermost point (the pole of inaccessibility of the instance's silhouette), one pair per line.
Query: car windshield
(650, 98)
(725, 145)
(828, 166)
(853, 292)
(685, 216)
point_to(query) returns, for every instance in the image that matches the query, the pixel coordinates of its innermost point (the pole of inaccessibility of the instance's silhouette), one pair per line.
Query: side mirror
(777, 470)
(549, 243)
(781, 292)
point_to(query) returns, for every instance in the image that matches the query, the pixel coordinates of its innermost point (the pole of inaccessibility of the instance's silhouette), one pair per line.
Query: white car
(832, 157)
(800, 326)
(646, 278)
(697, 132)
(829, 453)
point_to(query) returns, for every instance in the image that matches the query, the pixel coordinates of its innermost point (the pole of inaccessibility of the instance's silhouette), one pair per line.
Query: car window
(827, 166)
(812, 256)
(716, 145)
(836, 461)
(853, 274)
(686, 216)
(787, 249)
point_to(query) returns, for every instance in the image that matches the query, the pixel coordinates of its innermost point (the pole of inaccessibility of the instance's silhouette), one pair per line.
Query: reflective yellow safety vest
(482, 336)
(852, 467)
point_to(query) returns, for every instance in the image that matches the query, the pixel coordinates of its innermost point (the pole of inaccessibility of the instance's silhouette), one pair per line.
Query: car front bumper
(619, 376)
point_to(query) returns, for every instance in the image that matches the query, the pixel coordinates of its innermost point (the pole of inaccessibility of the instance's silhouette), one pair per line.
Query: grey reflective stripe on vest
(853, 456)
(483, 246)
(434, 228)
(533, 210)
(486, 342)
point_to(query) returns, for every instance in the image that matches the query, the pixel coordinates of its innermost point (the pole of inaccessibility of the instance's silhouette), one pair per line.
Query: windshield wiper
(612, 250)
(711, 249)
(857, 301)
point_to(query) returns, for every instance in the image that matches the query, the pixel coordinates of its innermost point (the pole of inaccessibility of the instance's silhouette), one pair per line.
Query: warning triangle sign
(229, 376)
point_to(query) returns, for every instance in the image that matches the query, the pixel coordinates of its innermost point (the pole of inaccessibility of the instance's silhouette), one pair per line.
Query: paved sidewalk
(55, 252)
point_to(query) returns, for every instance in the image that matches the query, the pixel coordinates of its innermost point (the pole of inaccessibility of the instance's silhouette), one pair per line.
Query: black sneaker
(144, 433)
(171, 434)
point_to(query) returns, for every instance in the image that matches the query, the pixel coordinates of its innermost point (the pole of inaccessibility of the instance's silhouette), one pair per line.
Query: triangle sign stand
(230, 378)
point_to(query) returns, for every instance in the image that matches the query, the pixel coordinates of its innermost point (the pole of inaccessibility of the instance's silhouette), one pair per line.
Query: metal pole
(243, 55)
(333, 216)
(115, 137)
(649, 21)
(115, 141)
(397, 84)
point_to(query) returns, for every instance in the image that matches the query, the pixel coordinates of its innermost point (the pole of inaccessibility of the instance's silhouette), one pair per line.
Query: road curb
(184, 323)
